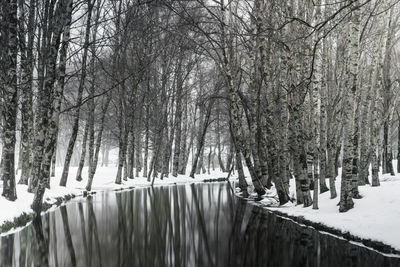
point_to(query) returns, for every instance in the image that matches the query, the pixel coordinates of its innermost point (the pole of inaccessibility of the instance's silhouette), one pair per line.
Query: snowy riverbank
(103, 180)
(375, 217)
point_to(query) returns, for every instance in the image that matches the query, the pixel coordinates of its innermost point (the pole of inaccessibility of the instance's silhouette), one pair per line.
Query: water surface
(183, 225)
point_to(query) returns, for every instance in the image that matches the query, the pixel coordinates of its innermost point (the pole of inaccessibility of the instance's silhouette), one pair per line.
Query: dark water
(185, 225)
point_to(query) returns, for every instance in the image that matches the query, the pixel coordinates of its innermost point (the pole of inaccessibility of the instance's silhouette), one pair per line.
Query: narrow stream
(183, 225)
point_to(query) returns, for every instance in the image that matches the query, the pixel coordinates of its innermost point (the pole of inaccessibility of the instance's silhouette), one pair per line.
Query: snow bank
(376, 216)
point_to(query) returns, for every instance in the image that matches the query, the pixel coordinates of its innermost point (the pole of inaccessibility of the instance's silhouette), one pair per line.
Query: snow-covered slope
(376, 216)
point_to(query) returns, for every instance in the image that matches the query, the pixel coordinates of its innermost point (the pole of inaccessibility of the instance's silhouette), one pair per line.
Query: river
(180, 225)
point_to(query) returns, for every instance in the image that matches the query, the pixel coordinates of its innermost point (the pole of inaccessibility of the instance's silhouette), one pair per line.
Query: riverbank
(17, 213)
(374, 220)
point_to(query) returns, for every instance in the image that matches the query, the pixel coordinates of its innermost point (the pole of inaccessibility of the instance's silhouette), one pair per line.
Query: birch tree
(350, 104)
(9, 93)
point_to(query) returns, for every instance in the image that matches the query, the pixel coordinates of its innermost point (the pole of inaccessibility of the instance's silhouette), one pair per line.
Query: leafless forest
(284, 89)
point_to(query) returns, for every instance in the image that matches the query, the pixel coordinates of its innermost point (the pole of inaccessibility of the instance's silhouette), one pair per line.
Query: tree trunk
(47, 126)
(138, 150)
(146, 144)
(365, 133)
(53, 164)
(131, 154)
(75, 127)
(242, 181)
(91, 105)
(349, 182)
(183, 142)
(209, 161)
(178, 118)
(315, 110)
(26, 90)
(331, 175)
(374, 110)
(218, 130)
(83, 153)
(230, 155)
(121, 156)
(201, 138)
(388, 95)
(186, 147)
(92, 170)
(10, 96)
(398, 144)
(323, 120)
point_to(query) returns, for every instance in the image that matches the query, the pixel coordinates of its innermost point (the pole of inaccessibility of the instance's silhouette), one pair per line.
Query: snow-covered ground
(376, 216)
(103, 180)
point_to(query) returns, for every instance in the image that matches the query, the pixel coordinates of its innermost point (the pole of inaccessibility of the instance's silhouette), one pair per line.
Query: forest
(271, 90)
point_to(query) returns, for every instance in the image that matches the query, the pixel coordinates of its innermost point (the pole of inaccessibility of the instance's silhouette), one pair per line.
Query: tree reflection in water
(186, 225)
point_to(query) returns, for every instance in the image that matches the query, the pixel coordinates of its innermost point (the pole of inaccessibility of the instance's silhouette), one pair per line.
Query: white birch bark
(349, 105)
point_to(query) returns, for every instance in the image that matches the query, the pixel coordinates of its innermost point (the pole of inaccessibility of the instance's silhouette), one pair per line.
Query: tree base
(283, 198)
(10, 197)
(23, 182)
(307, 201)
(345, 208)
(323, 188)
(260, 191)
(346, 205)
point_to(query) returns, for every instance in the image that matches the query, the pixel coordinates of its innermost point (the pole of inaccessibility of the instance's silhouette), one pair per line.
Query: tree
(349, 182)
(75, 126)
(47, 124)
(9, 92)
